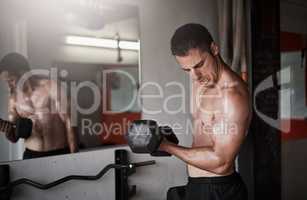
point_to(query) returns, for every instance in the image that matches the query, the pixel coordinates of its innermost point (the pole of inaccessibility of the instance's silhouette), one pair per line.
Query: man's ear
(214, 49)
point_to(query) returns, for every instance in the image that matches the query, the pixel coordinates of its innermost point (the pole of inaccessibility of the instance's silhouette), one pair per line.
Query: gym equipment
(22, 127)
(123, 169)
(145, 136)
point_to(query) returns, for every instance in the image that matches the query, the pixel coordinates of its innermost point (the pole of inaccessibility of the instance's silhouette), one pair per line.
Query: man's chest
(209, 104)
(210, 115)
(38, 102)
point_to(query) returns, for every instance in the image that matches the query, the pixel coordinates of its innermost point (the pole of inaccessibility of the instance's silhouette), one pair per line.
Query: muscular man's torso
(209, 116)
(49, 131)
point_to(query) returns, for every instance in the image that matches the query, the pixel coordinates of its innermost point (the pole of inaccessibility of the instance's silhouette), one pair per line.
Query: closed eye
(200, 64)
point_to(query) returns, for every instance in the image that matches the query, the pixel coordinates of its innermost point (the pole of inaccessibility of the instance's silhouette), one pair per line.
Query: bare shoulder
(237, 101)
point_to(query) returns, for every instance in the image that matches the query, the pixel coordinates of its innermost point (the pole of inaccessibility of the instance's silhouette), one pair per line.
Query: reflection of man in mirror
(52, 133)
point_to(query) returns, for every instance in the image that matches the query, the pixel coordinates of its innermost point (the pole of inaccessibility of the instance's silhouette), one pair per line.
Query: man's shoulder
(237, 97)
(235, 91)
(233, 81)
(235, 88)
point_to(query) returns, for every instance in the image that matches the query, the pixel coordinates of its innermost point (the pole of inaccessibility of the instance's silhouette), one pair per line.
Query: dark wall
(266, 62)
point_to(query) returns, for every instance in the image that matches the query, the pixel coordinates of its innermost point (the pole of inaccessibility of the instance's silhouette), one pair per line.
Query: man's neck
(219, 71)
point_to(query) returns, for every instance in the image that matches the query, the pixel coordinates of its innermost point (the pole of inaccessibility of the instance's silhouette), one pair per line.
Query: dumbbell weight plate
(23, 128)
(143, 136)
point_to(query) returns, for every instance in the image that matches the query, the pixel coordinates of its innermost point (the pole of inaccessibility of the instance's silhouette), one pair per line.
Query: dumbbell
(22, 127)
(145, 136)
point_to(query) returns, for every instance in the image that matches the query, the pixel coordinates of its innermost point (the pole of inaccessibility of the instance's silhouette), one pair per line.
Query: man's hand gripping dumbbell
(22, 128)
(145, 136)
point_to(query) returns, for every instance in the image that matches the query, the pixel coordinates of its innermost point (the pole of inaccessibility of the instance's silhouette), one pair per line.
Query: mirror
(72, 68)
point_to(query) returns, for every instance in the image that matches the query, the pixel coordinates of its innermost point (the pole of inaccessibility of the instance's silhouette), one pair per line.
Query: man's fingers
(6, 127)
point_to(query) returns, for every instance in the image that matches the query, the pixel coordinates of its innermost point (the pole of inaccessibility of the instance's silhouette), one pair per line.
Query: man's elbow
(14, 141)
(223, 168)
(218, 166)
(73, 145)
(74, 149)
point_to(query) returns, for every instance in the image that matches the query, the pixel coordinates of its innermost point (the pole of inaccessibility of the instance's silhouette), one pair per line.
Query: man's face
(9, 78)
(200, 65)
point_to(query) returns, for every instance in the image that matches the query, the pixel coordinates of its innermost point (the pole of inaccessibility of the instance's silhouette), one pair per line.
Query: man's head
(196, 52)
(190, 36)
(12, 67)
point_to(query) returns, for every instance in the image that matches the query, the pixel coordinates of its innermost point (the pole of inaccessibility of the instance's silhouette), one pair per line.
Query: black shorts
(229, 187)
(28, 153)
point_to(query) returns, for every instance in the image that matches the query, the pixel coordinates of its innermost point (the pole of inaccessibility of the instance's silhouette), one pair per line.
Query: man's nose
(195, 74)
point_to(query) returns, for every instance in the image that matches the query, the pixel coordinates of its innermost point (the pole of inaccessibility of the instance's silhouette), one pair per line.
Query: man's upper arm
(233, 127)
(12, 116)
(12, 112)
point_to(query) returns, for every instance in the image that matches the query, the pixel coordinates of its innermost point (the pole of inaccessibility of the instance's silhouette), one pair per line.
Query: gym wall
(293, 15)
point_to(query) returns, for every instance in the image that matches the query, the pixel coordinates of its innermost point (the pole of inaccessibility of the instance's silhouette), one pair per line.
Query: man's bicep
(12, 116)
(234, 127)
(227, 144)
(12, 111)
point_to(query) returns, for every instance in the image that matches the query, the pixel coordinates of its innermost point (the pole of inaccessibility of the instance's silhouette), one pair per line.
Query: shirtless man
(221, 117)
(52, 133)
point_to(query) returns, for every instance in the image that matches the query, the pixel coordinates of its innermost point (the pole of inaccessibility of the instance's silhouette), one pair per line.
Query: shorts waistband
(217, 179)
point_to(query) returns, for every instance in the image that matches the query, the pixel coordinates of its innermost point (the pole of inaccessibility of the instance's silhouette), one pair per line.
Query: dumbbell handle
(6, 125)
(167, 133)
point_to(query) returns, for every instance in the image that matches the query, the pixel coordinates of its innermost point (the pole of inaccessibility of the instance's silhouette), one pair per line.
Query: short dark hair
(190, 36)
(14, 63)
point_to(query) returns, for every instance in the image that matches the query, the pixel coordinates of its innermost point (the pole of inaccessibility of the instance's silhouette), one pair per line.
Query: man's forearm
(72, 140)
(8, 130)
(73, 147)
(201, 157)
(10, 135)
